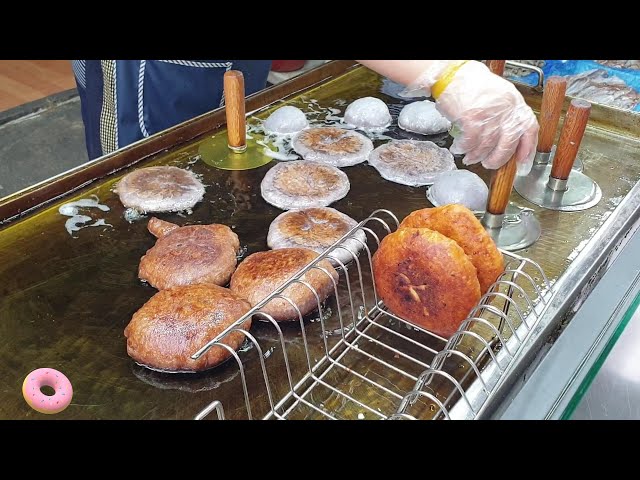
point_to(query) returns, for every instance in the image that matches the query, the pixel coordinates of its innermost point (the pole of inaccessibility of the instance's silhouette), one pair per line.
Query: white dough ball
(368, 112)
(423, 117)
(286, 120)
(462, 187)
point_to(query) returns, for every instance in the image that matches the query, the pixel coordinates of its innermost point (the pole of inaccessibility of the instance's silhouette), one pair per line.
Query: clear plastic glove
(491, 119)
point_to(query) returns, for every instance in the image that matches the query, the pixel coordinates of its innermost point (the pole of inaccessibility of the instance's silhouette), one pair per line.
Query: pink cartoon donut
(47, 377)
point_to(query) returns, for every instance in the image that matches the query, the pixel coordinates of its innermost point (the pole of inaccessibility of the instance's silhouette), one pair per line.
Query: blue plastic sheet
(575, 67)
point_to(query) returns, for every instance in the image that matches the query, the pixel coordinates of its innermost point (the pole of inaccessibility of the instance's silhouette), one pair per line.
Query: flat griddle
(65, 301)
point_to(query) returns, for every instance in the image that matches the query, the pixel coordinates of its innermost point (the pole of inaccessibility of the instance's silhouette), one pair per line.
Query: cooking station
(66, 296)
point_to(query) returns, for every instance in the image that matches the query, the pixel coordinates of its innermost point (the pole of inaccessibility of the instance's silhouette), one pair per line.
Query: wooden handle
(575, 122)
(496, 66)
(235, 109)
(500, 187)
(552, 101)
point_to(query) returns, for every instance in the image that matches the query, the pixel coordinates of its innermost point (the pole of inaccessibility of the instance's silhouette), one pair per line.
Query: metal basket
(369, 363)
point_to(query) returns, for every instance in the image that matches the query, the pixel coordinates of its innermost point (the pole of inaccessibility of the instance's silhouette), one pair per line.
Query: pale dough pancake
(316, 229)
(411, 162)
(160, 189)
(303, 184)
(332, 146)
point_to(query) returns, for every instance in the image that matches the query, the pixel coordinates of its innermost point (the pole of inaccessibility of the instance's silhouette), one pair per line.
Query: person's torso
(138, 98)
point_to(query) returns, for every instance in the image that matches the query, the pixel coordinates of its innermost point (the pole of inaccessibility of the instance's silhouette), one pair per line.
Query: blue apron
(126, 100)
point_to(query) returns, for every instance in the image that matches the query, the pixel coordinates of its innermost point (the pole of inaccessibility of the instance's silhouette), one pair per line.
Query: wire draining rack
(365, 362)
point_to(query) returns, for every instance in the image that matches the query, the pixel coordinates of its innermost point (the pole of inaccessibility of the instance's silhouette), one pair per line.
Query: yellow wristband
(446, 78)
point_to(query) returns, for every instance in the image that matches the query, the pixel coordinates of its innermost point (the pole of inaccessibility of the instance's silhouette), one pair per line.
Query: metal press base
(547, 158)
(219, 155)
(513, 232)
(581, 192)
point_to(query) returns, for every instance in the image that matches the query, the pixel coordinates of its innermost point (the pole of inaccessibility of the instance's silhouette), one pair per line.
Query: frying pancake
(316, 229)
(159, 228)
(260, 274)
(411, 162)
(332, 146)
(460, 224)
(189, 255)
(303, 184)
(426, 278)
(160, 189)
(175, 323)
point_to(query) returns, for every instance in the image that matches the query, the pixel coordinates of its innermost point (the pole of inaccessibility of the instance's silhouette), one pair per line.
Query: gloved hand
(491, 117)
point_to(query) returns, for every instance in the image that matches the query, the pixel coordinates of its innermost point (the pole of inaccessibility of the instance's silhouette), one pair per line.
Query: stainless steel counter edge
(568, 294)
(556, 379)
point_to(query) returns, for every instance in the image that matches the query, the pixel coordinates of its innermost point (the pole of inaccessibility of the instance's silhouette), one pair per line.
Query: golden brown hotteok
(176, 323)
(426, 278)
(189, 255)
(260, 274)
(460, 224)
